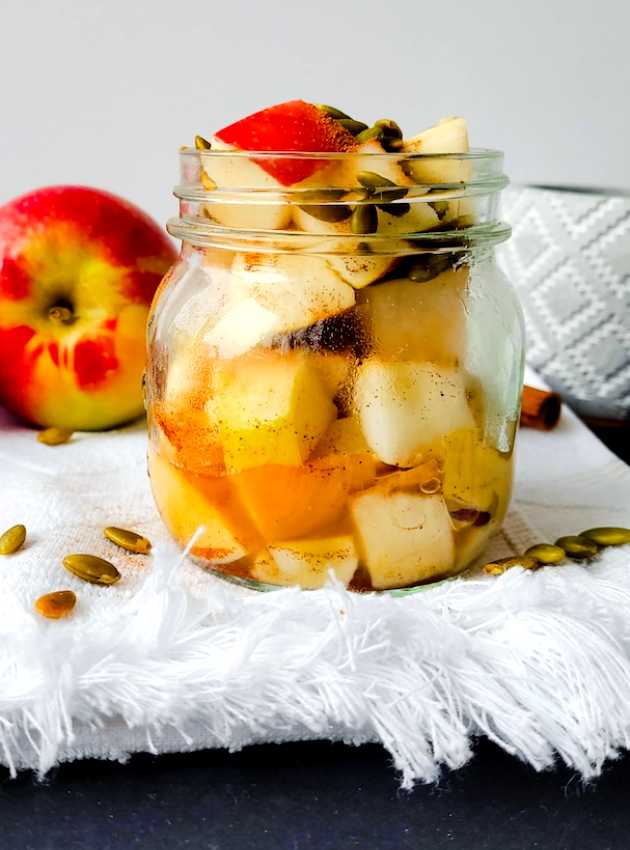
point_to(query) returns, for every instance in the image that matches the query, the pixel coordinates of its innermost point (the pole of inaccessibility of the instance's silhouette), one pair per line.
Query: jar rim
(472, 154)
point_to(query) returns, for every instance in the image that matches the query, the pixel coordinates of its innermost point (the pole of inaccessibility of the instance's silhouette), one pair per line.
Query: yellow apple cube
(306, 562)
(405, 406)
(269, 408)
(199, 505)
(402, 537)
(475, 473)
(418, 321)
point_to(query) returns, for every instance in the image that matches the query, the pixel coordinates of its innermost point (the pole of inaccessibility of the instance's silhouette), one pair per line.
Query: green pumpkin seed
(331, 111)
(392, 145)
(546, 553)
(440, 207)
(364, 219)
(397, 210)
(499, 566)
(352, 126)
(54, 436)
(390, 128)
(578, 547)
(12, 539)
(202, 144)
(327, 212)
(370, 133)
(91, 568)
(207, 182)
(608, 535)
(426, 268)
(381, 189)
(129, 540)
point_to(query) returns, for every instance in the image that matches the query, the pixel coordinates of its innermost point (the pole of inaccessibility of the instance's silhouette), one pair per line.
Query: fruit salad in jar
(335, 362)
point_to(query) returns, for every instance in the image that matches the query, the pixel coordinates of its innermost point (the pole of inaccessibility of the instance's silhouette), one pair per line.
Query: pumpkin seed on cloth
(546, 553)
(92, 568)
(578, 547)
(607, 535)
(56, 605)
(12, 539)
(496, 568)
(54, 436)
(129, 540)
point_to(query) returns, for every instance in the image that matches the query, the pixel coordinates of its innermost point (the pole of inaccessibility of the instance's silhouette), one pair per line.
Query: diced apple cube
(449, 136)
(419, 321)
(296, 290)
(306, 562)
(269, 408)
(402, 538)
(404, 406)
(344, 436)
(233, 171)
(334, 369)
(360, 270)
(189, 502)
(475, 474)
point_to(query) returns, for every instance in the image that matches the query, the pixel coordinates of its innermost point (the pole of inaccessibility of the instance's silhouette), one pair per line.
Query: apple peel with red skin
(95, 260)
(292, 126)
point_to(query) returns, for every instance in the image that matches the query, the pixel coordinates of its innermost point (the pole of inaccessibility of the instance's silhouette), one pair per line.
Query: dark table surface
(315, 796)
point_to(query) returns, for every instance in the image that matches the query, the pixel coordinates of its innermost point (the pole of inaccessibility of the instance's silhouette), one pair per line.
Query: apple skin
(98, 260)
(291, 126)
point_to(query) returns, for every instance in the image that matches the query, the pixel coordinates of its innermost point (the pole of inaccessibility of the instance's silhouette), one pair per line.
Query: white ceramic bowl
(569, 258)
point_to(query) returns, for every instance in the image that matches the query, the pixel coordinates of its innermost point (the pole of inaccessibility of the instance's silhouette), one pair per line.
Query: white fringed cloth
(172, 659)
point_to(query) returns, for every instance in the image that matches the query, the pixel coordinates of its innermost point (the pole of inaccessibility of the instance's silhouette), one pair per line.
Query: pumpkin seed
(54, 436)
(577, 547)
(129, 540)
(381, 189)
(91, 568)
(546, 553)
(56, 605)
(331, 111)
(370, 133)
(12, 539)
(502, 564)
(207, 182)
(327, 212)
(389, 127)
(427, 267)
(440, 207)
(352, 126)
(364, 219)
(394, 209)
(494, 569)
(202, 144)
(392, 145)
(607, 535)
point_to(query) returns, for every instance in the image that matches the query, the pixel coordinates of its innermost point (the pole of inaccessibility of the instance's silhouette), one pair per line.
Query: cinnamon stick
(540, 408)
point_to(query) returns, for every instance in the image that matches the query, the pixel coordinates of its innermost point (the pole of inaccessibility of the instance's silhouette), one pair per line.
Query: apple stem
(63, 315)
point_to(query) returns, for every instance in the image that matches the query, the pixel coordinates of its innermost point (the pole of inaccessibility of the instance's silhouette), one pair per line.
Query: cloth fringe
(537, 662)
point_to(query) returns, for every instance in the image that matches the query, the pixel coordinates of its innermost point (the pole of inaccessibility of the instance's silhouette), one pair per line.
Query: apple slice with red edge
(292, 126)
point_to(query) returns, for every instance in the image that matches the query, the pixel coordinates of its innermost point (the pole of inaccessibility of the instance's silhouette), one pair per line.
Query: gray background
(103, 93)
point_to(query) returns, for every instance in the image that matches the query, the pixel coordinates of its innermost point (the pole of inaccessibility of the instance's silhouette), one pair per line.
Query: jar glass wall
(335, 369)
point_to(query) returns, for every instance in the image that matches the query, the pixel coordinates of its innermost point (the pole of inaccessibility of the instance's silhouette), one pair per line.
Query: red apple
(78, 269)
(291, 126)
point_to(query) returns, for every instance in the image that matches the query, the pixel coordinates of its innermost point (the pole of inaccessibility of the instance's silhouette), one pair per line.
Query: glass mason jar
(335, 367)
